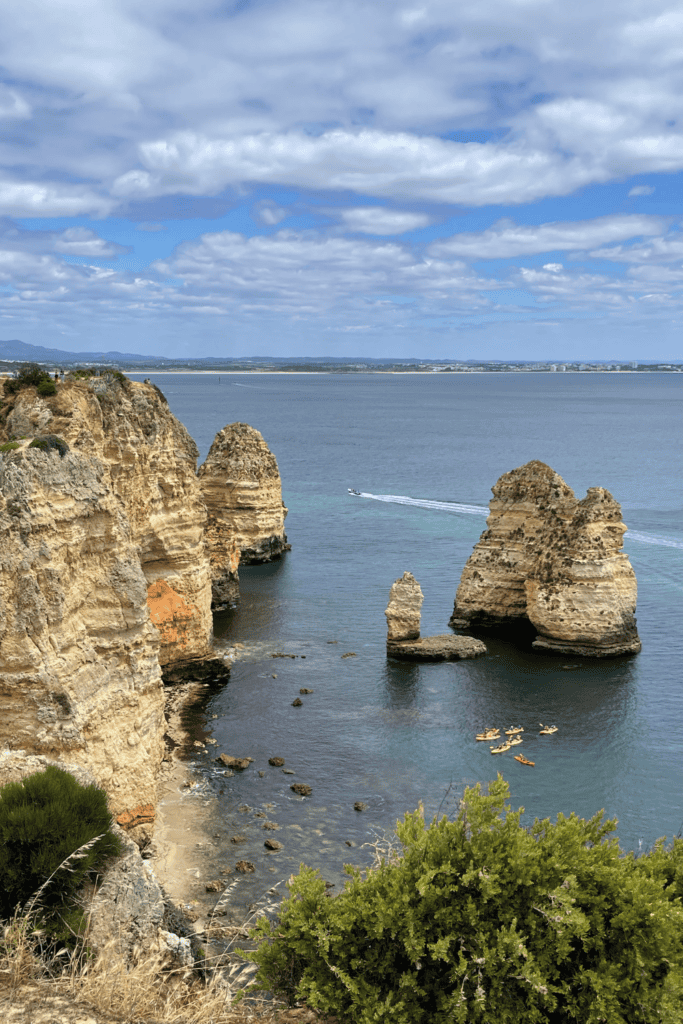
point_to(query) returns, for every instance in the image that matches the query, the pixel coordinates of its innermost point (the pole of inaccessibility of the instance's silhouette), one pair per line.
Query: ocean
(424, 450)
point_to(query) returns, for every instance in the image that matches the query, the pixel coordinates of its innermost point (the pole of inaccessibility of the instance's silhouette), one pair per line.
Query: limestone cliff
(552, 562)
(104, 577)
(240, 484)
(148, 461)
(79, 668)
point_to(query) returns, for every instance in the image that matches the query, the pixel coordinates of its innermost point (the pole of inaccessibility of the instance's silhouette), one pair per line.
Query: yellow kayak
(501, 749)
(515, 740)
(513, 732)
(492, 734)
(547, 730)
(523, 760)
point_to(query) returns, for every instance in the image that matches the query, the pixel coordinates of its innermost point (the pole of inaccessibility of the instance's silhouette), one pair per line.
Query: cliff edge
(552, 562)
(104, 576)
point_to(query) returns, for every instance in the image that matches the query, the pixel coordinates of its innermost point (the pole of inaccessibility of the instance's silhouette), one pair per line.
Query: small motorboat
(523, 760)
(547, 730)
(352, 490)
(513, 731)
(515, 740)
(502, 748)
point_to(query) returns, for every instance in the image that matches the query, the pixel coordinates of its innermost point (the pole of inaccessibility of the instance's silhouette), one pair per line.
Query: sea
(424, 450)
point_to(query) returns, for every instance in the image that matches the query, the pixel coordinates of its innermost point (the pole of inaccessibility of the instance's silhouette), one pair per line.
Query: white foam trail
(649, 538)
(440, 506)
(481, 510)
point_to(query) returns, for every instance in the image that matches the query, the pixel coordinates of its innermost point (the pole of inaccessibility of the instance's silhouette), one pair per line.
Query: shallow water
(426, 449)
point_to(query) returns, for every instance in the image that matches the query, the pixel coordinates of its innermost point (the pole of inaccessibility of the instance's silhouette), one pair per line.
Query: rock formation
(403, 629)
(99, 546)
(240, 484)
(404, 609)
(551, 562)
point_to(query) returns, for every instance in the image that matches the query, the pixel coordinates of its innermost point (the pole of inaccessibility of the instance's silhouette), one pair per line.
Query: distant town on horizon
(14, 353)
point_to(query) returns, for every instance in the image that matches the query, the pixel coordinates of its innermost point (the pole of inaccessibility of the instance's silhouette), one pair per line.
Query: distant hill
(22, 352)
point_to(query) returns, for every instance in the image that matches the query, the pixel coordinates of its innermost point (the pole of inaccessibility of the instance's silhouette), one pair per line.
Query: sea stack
(240, 484)
(404, 609)
(403, 629)
(550, 562)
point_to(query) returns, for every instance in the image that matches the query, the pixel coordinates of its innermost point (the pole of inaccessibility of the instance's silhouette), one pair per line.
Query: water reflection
(401, 682)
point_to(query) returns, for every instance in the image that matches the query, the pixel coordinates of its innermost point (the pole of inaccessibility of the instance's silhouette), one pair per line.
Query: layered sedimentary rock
(403, 629)
(104, 577)
(404, 609)
(79, 666)
(551, 562)
(148, 461)
(240, 484)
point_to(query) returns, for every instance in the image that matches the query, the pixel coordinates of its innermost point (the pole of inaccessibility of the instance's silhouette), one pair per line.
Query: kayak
(523, 760)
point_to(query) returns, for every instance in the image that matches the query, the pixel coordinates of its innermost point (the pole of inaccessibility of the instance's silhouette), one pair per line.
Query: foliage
(9, 446)
(31, 375)
(50, 443)
(48, 819)
(479, 919)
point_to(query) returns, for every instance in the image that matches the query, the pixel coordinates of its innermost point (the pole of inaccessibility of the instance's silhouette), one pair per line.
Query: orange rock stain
(170, 613)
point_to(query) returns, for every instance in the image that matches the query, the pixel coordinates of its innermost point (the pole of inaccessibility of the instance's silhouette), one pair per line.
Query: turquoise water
(390, 734)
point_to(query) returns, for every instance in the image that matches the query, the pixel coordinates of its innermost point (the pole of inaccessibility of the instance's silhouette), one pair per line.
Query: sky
(498, 179)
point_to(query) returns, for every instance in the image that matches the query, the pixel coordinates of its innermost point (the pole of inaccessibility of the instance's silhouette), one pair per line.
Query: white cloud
(366, 161)
(80, 241)
(380, 220)
(13, 106)
(268, 212)
(505, 238)
(36, 199)
(164, 103)
(641, 190)
(658, 250)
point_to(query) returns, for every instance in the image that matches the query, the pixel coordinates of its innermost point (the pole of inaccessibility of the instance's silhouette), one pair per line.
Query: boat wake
(439, 506)
(481, 510)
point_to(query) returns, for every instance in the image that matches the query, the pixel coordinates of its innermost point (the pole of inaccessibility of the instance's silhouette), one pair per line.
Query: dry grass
(145, 988)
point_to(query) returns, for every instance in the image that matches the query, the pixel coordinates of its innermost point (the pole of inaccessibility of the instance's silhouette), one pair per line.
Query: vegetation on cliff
(478, 918)
(44, 820)
(31, 375)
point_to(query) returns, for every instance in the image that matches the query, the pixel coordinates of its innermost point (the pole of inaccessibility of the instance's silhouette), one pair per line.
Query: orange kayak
(523, 760)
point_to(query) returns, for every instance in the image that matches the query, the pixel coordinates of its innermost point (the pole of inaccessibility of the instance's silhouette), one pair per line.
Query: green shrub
(10, 446)
(47, 387)
(480, 919)
(30, 375)
(50, 443)
(43, 820)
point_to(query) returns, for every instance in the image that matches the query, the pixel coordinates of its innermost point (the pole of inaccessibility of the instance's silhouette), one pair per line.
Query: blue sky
(489, 179)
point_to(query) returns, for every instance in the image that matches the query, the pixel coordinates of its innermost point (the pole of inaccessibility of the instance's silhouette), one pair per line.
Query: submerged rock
(552, 563)
(444, 647)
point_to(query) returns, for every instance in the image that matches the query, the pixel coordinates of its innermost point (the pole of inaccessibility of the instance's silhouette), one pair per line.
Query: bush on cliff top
(31, 375)
(480, 919)
(44, 819)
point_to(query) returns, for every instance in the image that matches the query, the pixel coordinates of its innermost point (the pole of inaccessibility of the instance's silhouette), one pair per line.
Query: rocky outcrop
(404, 609)
(79, 656)
(148, 461)
(240, 484)
(403, 629)
(104, 577)
(552, 563)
